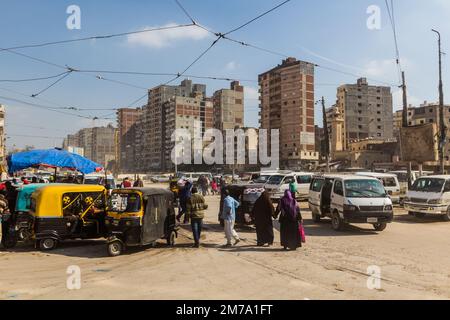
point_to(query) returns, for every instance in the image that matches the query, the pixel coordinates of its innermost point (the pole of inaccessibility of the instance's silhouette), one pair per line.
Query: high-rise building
(126, 126)
(186, 113)
(229, 107)
(153, 154)
(98, 143)
(362, 112)
(287, 104)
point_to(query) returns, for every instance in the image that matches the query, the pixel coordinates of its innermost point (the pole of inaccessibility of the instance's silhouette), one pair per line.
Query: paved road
(411, 254)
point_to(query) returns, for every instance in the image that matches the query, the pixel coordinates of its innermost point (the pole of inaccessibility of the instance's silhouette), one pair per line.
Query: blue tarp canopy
(51, 158)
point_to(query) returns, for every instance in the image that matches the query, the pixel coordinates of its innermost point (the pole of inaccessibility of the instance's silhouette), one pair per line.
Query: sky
(331, 33)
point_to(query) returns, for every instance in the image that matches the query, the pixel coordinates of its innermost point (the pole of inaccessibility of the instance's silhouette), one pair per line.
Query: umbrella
(55, 158)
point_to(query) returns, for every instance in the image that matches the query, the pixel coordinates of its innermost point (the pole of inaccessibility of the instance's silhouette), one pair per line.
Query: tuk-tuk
(19, 224)
(139, 217)
(246, 194)
(63, 212)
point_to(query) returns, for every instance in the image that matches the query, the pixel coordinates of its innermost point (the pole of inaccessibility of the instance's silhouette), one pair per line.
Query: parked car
(277, 184)
(350, 199)
(429, 195)
(303, 182)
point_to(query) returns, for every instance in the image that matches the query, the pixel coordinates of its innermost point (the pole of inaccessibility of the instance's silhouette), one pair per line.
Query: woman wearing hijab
(263, 212)
(290, 219)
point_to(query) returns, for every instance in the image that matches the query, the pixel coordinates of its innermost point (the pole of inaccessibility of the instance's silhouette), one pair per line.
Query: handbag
(301, 229)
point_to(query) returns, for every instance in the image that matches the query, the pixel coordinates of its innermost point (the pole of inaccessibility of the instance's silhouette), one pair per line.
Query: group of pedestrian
(193, 205)
(138, 183)
(8, 198)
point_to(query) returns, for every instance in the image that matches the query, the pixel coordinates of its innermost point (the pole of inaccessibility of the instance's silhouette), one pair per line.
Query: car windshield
(92, 181)
(364, 189)
(428, 185)
(262, 179)
(125, 202)
(277, 179)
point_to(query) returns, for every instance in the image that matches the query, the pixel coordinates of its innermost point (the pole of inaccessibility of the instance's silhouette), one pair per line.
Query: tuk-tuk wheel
(171, 239)
(115, 248)
(47, 244)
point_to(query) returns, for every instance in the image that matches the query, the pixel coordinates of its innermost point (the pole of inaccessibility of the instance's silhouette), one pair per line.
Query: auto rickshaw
(246, 195)
(63, 212)
(19, 224)
(139, 217)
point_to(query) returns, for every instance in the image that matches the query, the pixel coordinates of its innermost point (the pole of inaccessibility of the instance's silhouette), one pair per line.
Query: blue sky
(329, 33)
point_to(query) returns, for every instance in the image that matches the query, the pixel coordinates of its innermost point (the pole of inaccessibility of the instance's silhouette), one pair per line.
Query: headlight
(107, 222)
(388, 208)
(128, 223)
(348, 207)
(435, 201)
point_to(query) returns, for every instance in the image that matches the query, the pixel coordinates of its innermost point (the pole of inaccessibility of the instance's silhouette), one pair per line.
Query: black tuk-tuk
(246, 194)
(139, 217)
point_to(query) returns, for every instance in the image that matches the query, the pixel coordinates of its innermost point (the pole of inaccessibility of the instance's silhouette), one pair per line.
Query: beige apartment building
(229, 107)
(98, 143)
(287, 104)
(361, 112)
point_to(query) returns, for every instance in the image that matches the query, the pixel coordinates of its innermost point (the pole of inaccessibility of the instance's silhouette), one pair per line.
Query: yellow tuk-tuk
(139, 217)
(68, 211)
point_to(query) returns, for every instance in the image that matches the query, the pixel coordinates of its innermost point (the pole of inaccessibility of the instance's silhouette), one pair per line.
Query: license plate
(372, 220)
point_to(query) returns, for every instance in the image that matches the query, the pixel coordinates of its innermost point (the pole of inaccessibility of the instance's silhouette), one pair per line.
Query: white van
(278, 183)
(429, 195)
(303, 183)
(390, 183)
(350, 199)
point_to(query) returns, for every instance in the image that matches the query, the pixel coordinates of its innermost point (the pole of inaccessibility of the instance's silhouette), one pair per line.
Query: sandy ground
(412, 255)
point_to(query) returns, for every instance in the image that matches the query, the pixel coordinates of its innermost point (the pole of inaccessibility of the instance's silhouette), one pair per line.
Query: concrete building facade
(229, 107)
(98, 143)
(127, 129)
(287, 103)
(361, 112)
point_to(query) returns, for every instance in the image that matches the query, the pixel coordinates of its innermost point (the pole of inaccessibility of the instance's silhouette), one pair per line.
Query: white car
(350, 199)
(278, 183)
(429, 195)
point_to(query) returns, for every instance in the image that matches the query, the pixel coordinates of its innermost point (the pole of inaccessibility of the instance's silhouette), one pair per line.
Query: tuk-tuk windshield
(125, 202)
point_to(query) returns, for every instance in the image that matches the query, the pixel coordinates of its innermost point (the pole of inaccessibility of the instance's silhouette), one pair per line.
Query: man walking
(229, 218)
(195, 207)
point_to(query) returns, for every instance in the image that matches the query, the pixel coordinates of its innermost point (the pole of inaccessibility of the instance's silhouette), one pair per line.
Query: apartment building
(188, 113)
(361, 112)
(287, 104)
(229, 107)
(127, 128)
(98, 143)
(153, 155)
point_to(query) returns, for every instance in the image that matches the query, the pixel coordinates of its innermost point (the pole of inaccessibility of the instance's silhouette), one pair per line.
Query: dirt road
(412, 256)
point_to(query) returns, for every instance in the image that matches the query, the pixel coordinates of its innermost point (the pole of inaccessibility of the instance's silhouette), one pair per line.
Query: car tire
(115, 248)
(171, 239)
(447, 215)
(336, 222)
(47, 244)
(380, 226)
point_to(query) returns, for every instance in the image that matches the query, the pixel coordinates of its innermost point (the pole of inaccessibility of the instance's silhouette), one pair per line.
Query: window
(304, 179)
(338, 189)
(317, 184)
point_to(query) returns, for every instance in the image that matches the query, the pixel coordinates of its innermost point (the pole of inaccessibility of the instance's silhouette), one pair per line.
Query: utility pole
(442, 128)
(405, 124)
(327, 137)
